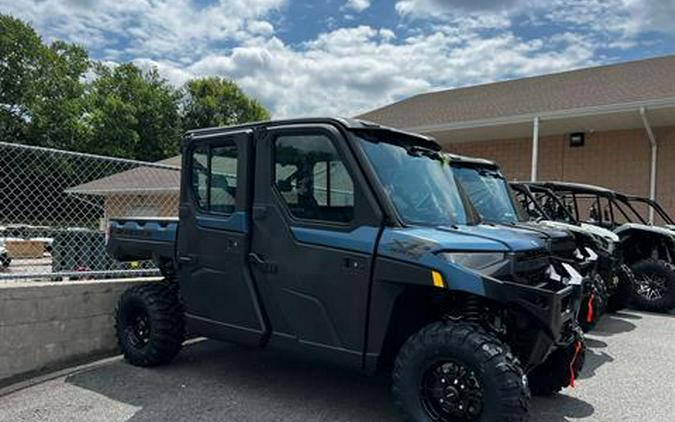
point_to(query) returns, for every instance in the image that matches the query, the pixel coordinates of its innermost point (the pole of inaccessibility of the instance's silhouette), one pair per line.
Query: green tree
(57, 114)
(54, 95)
(21, 63)
(132, 113)
(215, 101)
(41, 87)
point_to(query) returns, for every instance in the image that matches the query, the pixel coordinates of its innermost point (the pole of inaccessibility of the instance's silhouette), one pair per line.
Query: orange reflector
(437, 279)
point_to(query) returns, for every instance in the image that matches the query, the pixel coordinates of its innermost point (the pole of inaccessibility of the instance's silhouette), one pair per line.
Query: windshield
(489, 194)
(418, 182)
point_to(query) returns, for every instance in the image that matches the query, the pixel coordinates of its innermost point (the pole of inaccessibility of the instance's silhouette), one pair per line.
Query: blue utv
(348, 241)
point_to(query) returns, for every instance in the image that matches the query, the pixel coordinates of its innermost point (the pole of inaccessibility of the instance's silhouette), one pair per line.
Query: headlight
(475, 260)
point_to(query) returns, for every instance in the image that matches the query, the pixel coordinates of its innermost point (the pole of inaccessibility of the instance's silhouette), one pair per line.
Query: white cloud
(140, 28)
(343, 71)
(655, 15)
(351, 70)
(357, 5)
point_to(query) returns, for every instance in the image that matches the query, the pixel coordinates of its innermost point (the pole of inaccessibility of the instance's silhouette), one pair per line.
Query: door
(213, 239)
(314, 232)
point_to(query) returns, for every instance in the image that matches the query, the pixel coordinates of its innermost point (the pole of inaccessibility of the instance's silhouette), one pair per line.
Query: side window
(200, 176)
(312, 179)
(214, 178)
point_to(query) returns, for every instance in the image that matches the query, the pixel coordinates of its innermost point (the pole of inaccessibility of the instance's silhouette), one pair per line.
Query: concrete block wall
(47, 325)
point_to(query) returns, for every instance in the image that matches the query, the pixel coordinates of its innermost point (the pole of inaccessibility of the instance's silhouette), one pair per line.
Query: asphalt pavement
(629, 376)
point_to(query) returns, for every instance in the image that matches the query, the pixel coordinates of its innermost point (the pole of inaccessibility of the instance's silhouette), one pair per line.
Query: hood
(415, 242)
(644, 227)
(551, 232)
(600, 231)
(583, 228)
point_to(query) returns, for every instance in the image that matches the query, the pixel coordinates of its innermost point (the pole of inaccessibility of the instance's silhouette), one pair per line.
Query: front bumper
(543, 316)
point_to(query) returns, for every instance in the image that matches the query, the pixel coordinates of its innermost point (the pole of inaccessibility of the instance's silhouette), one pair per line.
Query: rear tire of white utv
(655, 286)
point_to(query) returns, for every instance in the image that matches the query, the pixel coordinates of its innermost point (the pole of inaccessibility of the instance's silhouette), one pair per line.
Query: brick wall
(616, 159)
(127, 205)
(47, 325)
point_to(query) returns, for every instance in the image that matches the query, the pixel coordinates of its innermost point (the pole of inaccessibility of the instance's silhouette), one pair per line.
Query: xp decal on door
(347, 241)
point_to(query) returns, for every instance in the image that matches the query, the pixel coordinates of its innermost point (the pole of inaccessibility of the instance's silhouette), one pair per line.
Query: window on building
(214, 178)
(312, 178)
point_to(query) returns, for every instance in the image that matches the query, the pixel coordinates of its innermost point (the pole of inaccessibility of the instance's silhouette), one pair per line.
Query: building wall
(156, 205)
(616, 159)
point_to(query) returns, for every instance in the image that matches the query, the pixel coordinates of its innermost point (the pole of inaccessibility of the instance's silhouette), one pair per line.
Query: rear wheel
(560, 369)
(452, 372)
(149, 324)
(655, 285)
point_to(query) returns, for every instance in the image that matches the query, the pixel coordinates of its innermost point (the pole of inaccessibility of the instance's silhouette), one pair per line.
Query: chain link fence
(54, 207)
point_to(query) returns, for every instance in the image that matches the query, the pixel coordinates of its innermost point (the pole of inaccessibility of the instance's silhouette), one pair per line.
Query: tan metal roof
(630, 82)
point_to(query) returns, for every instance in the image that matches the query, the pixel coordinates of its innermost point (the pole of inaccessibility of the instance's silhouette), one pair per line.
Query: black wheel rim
(138, 327)
(651, 286)
(451, 392)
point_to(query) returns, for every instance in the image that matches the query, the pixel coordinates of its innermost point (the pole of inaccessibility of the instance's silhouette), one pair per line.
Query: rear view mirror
(284, 185)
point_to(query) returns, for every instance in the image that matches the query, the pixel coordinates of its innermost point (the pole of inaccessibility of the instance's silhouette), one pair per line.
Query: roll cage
(650, 203)
(606, 207)
(542, 203)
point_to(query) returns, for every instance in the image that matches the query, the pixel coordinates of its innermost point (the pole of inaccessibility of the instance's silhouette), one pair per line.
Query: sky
(345, 57)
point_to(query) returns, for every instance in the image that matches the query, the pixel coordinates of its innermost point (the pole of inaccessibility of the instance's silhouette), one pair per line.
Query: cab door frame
(219, 294)
(301, 296)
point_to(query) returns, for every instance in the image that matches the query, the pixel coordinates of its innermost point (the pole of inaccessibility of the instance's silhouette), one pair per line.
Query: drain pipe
(535, 150)
(654, 150)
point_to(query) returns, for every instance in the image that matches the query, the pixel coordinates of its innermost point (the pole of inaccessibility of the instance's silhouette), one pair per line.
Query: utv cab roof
(573, 187)
(352, 125)
(462, 160)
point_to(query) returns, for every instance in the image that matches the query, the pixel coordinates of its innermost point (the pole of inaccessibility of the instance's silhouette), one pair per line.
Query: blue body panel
(361, 239)
(421, 246)
(236, 222)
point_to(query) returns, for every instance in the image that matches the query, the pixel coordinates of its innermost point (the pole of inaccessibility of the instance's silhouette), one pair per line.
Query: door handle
(261, 264)
(353, 264)
(187, 259)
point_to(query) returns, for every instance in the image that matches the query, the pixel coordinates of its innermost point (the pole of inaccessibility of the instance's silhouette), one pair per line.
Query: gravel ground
(629, 376)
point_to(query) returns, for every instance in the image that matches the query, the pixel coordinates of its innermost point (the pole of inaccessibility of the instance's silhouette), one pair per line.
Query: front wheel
(623, 293)
(149, 324)
(458, 372)
(655, 285)
(560, 369)
(593, 305)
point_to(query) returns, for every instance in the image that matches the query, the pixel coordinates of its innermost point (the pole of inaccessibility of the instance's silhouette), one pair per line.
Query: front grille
(564, 248)
(530, 267)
